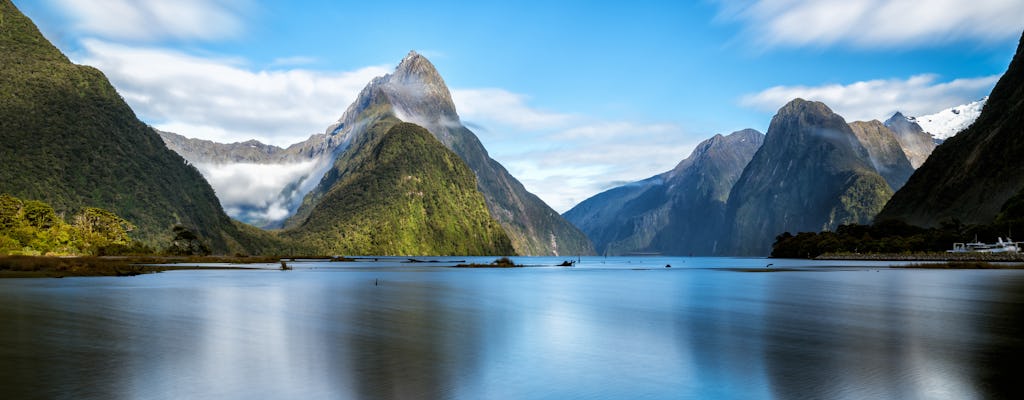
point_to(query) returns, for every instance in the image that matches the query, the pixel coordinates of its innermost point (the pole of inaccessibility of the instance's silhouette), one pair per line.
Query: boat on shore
(1001, 246)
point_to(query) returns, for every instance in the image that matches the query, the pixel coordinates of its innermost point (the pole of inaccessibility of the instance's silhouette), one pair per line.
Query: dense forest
(894, 237)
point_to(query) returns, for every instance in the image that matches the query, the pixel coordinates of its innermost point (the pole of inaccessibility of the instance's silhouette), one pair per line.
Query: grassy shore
(59, 267)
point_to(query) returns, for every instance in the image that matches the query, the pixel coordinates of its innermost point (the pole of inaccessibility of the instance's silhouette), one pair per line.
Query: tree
(39, 215)
(104, 227)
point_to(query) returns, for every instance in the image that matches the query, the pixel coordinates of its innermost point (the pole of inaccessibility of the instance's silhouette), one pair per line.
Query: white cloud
(142, 20)
(878, 99)
(256, 192)
(504, 107)
(222, 99)
(565, 167)
(875, 23)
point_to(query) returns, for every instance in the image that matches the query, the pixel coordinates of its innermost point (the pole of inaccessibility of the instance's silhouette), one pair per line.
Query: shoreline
(60, 267)
(948, 257)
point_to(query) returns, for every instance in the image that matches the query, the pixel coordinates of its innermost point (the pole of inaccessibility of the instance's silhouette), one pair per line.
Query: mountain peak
(801, 106)
(415, 91)
(416, 68)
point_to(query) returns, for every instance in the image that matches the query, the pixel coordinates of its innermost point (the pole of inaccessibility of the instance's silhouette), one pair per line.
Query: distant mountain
(971, 175)
(416, 93)
(811, 174)
(68, 138)
(401, 192)
(251, 151)
(946, 123)
(884, 151)
(677, 212)
(917, 144)
(257, 183)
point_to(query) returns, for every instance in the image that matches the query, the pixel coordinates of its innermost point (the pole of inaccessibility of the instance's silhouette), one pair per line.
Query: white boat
(1001, 246)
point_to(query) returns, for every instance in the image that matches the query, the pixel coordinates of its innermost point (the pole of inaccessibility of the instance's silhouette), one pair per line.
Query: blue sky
(571, 96)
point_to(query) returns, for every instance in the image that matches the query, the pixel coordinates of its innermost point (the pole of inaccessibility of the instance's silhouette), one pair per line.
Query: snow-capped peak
(946, 123)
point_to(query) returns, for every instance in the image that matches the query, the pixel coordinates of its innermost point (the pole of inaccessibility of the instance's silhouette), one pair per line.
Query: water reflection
(411, 339)
(530, 333)
(897, 335)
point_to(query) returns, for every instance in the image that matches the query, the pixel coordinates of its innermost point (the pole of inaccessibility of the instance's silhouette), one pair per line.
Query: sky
(572, 97)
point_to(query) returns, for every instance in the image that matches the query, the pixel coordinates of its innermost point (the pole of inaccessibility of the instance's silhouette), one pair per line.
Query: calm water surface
(617, 328)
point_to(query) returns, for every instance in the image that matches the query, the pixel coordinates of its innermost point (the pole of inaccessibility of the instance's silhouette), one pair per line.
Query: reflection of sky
(526, 333)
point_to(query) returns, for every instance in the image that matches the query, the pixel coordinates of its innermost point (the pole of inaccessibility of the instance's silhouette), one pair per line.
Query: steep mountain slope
(416, 93)
(401, 192)
(884, 151)
(916, 143)
(972, 174)
(811, 174)
(677, 212)
(67, 138)
(946, 123)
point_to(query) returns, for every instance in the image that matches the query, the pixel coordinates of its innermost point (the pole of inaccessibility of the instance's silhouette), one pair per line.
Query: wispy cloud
(144, 20)
(504, 107)
(223, 99)
(878, 99)
(565, 158)
(874, 23)
(566, 166)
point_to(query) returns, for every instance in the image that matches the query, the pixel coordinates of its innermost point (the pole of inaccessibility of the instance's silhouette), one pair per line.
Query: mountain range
(399, 173)
(814, 171)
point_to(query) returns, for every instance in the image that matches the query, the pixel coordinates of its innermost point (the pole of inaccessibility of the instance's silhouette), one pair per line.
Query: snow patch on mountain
(947, 123)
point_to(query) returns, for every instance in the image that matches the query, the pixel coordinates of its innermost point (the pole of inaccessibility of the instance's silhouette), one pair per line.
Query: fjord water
(606, 329)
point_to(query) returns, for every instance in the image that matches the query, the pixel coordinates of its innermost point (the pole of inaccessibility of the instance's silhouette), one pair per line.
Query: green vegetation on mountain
(32, 227)
(399, 191)
(971, 175)
(68, 139)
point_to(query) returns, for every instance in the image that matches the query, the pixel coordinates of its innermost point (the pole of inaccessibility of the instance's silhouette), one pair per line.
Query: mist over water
(607, 329)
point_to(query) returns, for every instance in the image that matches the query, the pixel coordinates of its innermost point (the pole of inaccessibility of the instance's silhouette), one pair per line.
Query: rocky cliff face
(677, 212)
(811, 174)
(70, 140)
(416, 93)
(884, 152)
(917, 144)
(971, 175)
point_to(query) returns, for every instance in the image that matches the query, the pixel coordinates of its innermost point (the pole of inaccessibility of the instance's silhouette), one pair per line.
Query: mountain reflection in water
(627, 328)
